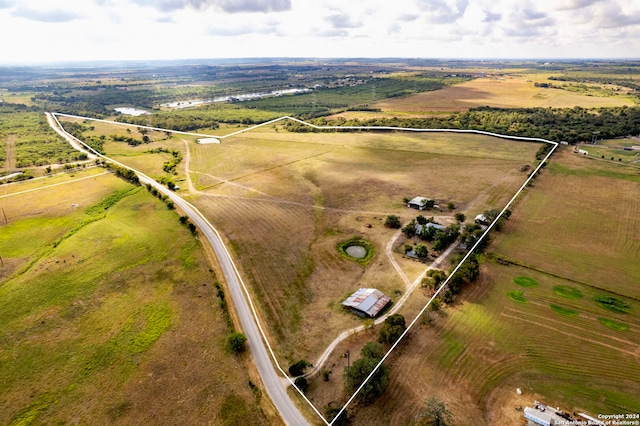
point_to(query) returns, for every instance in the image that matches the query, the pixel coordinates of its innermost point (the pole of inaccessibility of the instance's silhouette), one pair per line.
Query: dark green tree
(392, 329)
(235, 342)
(298, 367)
(392, 221)
(410, 229)
(372, 350)
(302, 384)
(360, 369)
(421, 251)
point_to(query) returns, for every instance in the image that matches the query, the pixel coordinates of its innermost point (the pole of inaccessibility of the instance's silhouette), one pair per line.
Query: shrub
(235, 342)
(392, 221)
(302, 384)
(298, 367)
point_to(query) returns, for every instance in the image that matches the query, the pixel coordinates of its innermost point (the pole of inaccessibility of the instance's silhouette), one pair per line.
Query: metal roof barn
(368, 301)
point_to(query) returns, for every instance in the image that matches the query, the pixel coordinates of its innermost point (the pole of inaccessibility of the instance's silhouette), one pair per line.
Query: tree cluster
(355, 375)
(468, 273)
(126, 174)
(392, 329)
(557, 124)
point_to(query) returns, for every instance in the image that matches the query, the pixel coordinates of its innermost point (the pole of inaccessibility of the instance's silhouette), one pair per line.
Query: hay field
(115, 320)
(580, 222)
(475, 355)
(510, 92)
(518, 327)
(285, 200)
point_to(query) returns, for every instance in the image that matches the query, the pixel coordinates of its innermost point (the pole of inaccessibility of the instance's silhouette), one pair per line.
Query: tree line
(573, 125)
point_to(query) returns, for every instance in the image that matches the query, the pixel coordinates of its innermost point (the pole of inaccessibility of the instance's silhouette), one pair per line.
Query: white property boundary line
(389, 128)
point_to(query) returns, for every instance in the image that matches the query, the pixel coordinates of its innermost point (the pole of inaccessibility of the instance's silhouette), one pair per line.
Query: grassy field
(104, 319)
(285, 201)
(564, 328)
(508, 92)
(613, 150)
(581, 204)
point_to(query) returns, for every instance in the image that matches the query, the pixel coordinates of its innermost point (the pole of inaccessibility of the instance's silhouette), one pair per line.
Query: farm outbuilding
(419, 203)
(366, 302)
(422, 228)
(482, 220)
(544, 415)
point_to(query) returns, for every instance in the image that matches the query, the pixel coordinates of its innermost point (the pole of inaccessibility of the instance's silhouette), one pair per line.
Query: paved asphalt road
(273, 382)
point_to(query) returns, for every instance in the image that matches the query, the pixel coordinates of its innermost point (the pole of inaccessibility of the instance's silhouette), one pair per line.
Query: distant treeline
(625, 82)
(564, 124)
(182, 121)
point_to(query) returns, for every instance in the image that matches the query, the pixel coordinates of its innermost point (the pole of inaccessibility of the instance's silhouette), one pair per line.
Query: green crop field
(108, 313)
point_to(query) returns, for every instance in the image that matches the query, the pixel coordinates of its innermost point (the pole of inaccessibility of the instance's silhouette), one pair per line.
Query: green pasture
(78, 321)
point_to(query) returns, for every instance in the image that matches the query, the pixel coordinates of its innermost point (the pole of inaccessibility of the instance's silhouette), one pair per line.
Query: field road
(409, 288)
(272, 381)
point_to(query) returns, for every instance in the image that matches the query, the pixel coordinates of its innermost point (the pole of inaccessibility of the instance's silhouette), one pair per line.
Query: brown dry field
(476, 353)
(510, 92)
(284, 201)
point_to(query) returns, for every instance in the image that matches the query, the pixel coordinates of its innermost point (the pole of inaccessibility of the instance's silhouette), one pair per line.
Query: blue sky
(45, 30)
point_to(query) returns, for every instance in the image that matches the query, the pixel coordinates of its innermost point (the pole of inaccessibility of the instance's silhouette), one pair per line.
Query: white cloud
(49, 15)
(165, 29)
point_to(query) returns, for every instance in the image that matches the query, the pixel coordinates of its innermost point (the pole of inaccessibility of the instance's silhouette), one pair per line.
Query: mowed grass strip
(568, 292)
(516, 296)
(614, 325)
(568, 312)
(110, 325)
(524, 281)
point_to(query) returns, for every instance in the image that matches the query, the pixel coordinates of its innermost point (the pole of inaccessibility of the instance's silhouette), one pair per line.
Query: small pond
(357, 252)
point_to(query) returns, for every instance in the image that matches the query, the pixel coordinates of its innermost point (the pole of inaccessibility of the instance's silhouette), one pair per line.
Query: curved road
(272, 381)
